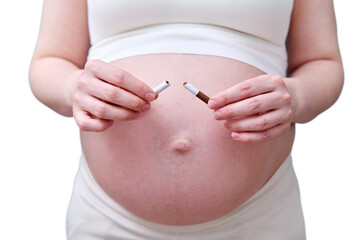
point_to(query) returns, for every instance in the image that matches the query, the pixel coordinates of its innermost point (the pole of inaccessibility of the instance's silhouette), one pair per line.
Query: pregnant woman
(169, 166)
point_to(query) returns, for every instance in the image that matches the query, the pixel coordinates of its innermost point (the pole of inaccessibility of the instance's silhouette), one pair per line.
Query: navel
(181, 145)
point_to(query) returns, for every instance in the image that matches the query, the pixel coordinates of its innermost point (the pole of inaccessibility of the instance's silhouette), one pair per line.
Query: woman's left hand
(257, 109)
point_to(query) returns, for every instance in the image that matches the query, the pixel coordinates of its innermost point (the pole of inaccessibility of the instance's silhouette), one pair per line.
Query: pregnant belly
(176, 164)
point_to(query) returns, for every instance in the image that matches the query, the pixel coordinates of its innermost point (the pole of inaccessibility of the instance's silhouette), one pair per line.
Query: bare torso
(176, 164)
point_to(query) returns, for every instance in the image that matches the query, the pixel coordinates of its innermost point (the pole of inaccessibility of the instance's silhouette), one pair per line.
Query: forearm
(53, 82)
(314, 87)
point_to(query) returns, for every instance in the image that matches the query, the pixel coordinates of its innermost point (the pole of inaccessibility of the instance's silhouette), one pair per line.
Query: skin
(112, 100)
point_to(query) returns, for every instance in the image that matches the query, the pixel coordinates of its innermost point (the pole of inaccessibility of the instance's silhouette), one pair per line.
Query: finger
(120, 78)
(248, 107)
(87, 123)
(104, 110)
(117, 96)
(246, 89)
(258, 122)
(261, 136)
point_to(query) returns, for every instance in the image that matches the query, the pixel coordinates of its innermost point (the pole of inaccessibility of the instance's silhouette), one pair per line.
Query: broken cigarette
(196, 92)
(161, 87)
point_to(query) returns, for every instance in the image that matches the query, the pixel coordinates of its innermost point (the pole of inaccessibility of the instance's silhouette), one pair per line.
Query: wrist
(71, 87)
(296, 102)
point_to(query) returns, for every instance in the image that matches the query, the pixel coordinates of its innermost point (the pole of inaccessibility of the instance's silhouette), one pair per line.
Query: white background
(39, 150)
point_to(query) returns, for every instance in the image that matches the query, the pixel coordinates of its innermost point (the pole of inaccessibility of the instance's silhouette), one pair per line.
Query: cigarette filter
(196, 92)
(161, 87)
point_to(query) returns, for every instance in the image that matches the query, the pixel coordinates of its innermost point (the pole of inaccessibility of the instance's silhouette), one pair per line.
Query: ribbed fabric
(193, 39)
(273, 213)
(250, 31)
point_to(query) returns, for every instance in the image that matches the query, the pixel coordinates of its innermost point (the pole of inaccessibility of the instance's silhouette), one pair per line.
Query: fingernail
(235, 135)
(227, 124)
(146, 107)
(212, 103)
(217, 114)
(150, 96)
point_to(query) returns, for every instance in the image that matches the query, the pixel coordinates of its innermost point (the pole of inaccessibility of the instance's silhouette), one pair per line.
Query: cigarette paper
(196, 92)
(161, 87)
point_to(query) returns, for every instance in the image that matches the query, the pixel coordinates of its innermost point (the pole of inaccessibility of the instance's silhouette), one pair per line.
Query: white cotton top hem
(193, 39)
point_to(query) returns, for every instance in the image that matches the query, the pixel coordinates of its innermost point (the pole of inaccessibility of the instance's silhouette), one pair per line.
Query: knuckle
(254, 105)
(76, 98)
(100, 111)
(140, 89)
(288, 117)
(223, 98)
(266, 135)
(119, 77)
(92, 64)
(275, 80)
(228, 112)
(111, 94)
(245, 90)
(289, 114)
(136, 104)
(82, 124)
(81, 83)
(287, 98)
(235, 126)
(262, 124)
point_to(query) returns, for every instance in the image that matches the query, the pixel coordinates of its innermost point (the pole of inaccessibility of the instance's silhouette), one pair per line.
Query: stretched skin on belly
(176, 164)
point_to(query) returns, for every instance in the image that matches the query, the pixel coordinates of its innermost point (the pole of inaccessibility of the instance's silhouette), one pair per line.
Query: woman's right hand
(105, 93)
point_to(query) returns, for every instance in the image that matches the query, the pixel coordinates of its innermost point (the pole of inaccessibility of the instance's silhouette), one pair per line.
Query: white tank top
(251, 31)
